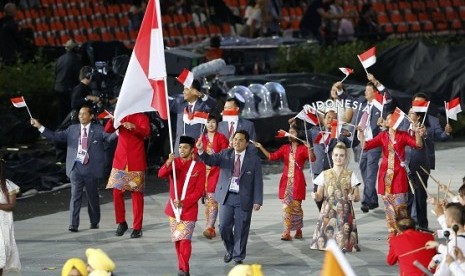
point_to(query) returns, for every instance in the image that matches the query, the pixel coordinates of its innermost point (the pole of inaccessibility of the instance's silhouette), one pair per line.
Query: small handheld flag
(186, 78)
(453, 108)
(19, 102)
(368, 58)
(346, 71)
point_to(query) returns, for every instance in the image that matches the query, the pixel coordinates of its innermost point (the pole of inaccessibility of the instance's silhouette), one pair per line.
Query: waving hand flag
(453, 108)
(308, 115)
(368, 58)
(144, 86)
(420, 106)
(346, 71)
(396, 118)
(19, 102)
(379, 101)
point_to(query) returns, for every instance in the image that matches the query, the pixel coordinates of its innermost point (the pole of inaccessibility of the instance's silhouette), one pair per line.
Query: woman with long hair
(338, 188)
(292, 187)
(213, 141)
(9, 256)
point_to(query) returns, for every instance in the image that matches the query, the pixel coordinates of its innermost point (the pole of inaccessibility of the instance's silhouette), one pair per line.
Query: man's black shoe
(73, 228)
(365, 208)
(238, 262)
(136, 234)
(94, 226)
(122, 228)
(227, 257)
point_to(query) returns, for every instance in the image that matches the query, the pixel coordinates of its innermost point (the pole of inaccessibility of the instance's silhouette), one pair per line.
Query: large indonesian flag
(368, 58)
(335, 263)
(420, 106)
(453, 108)
(144, 85)
(396, 118)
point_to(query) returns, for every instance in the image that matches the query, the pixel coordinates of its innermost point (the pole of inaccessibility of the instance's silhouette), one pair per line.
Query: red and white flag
(187, 118)
(186, 78)
(282, 134)
(420, 106)
(230, 115)
(144, 85)
(105, 115)
(378, 101)
(18, 102)
(323, 137)
(453, 108)
(308, 115)
(368, 58)
(200, 118)
(346, 71)
(396, 118)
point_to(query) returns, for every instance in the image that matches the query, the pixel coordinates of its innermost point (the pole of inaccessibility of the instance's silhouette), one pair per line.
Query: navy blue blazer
(250, 180)
(96, 139)
(242, 124)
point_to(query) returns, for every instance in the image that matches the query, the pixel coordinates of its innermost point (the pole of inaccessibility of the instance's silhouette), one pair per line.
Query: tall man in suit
(239, 190)
(84, 162)
(369, 159)
(190, 101)
(229, 128)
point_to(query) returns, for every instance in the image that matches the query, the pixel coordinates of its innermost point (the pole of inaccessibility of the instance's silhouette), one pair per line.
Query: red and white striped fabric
(453, 108)
(200, 118)
(18, 102)
(105, 115)
(230, 115)
(186, 78)
(323, 137)
(378, 101)
(309, 115)
(368, 58)
(346, 71)
(420, 106)
(144, 85)
(282, 134)
(396, 118)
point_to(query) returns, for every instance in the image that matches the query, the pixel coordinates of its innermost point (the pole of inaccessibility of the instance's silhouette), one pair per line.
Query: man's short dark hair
(91, 110)
(457, 212)
(420, 95)
(372, 85)
(236, 101)
(85, 72)
(244, 132)
(196, 85)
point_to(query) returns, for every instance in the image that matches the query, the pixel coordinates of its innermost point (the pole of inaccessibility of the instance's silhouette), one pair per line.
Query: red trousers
(137, 208)
(183, 250)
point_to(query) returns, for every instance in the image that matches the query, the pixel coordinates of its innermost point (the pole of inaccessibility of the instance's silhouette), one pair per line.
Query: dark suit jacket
(178, 105)
(67, 72)
(250, 181)
(242, 124)
(71, 136)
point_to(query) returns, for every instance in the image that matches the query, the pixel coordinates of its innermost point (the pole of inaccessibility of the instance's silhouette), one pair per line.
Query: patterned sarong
(128, 181)
(395, 206)
(211, 210)
(182, 230)
(292, 209)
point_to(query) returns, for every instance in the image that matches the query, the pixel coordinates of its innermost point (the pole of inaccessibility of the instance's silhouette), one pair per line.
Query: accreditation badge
(234, 185)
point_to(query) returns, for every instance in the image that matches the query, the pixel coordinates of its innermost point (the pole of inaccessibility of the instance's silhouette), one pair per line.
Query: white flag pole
(345, 78)
(28, 111)
(426, 114)
(177, 212)
(447, 115)
(309, 157)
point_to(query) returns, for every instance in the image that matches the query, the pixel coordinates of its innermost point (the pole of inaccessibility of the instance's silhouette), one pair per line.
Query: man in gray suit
(239, 190)
(190, 101)
(228, 128)
(84, 163)
(369, 161)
